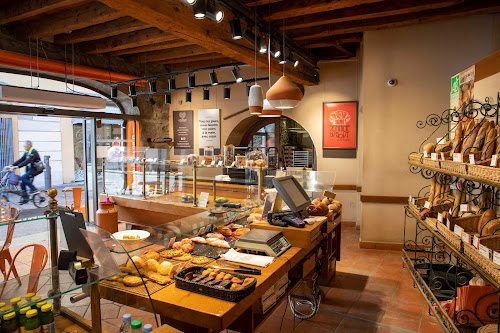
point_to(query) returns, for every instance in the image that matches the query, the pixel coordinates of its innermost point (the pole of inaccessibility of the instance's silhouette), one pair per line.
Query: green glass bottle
(32, 322)
(9, 323)
(14, 302)
(22, 318)
(47, 319)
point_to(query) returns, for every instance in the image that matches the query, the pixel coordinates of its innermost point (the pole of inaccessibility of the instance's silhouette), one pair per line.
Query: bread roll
(151, 265)
(491, 227)
(481, 135)
(469, 141)
(138, 261)
(428, 148)
(485, 217)
(165, 268)
(489, 143)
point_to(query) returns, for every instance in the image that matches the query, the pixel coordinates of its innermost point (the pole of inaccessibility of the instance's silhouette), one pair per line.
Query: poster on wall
(340, 125)
(462, 87)
(183, 132)
(209, 129)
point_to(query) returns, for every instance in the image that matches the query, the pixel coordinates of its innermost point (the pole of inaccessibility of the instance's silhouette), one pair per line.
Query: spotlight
(168, 99)
(248, 35)
(274, 51)
(248, 89)
(200, 9)
(134, 102)
(151, 100)
(152, 86)
(236, 75)
(191, 2)
(291, 60)
(227, 93)
(191, 81)
(214, 13)
(131, 90)
(213, 78)
(188, 96)
(281, 58)
(171, 84)
(206, 94)
(236, 28)
(262, 44)
(114, 92)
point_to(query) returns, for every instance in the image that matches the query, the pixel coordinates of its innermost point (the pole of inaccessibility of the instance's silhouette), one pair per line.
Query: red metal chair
(5, 251)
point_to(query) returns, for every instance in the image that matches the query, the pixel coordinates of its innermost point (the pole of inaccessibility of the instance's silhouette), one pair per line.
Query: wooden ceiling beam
(333, 40)
(25, 9)
(153, 47)
(177, 52)
(294, 8)
(67, 21)
(103, 30)
(253, 3)
(395, 21)
(187, 60)
(127, 41)
(362, 12)
(176, 17)
(199, 64)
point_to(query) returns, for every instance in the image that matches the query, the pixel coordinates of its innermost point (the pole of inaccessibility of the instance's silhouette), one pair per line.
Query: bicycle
(40, 198)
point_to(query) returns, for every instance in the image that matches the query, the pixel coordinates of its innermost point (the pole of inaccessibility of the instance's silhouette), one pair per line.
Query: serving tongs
(224, 265)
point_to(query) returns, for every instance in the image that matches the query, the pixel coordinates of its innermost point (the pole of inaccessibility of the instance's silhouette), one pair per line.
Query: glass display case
(314, 182)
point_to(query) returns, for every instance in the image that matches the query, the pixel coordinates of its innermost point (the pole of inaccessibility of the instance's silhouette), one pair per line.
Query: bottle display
(47, 319)
(32, 322)
(136, 326)
(22, 318)
(125, 327)
(9, 323)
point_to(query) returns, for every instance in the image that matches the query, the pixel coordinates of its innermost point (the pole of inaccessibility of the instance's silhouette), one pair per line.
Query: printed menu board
(183, 132)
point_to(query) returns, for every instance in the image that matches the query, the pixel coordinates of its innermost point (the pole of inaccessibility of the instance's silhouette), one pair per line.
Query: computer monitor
(292, 193)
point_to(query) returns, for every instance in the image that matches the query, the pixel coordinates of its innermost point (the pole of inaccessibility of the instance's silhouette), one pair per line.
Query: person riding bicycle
(29, 160)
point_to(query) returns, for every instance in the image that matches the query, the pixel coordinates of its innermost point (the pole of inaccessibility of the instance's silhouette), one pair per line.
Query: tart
(132, 281)
(187, 247)
(201, 260)
(184, 257)
(172, 253)
(151, 255)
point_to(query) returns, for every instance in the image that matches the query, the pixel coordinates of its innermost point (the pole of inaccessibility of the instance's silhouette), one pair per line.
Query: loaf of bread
(489, 228)
(468, 127)
(481, 135)
(457, 141)
(432, 191)
(428, 148)
(489, 143)
(469, 141)
(457, 201)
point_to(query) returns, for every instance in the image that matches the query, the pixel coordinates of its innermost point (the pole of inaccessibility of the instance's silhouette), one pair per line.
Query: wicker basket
(431, 223)
(468, 223)
(486, 172)
(416, 158)
(431, 163)
(450, 236)
(456, 167)
(491, 242)
(419, 204)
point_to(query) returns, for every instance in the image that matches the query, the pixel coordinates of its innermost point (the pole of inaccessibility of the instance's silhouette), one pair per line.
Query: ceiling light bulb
(235, 28)
(188, 96)
(237, 75)
(213, 78)
(191, 2)
(281, 59)
(274, 51)
(262, 44)
(214, 13)
(199, 9)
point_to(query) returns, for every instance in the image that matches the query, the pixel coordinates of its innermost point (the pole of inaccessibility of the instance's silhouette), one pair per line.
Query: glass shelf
(29, 219)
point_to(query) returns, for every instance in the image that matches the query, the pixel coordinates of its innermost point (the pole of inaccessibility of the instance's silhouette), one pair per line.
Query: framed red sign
(340, 125)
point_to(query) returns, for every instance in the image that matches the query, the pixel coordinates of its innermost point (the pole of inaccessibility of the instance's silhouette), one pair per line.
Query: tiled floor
(370, 293)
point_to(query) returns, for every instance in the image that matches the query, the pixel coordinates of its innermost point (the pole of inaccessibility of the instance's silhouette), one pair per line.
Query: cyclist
(29, 160)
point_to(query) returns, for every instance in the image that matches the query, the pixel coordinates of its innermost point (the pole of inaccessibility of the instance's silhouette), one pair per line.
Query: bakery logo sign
(182, 117)
(339, 125)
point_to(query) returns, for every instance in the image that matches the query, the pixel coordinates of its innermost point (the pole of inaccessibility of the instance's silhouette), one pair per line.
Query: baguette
(437, 194)
(469, 142)
(457, 141)
(489, 144)
(481, 135)
(469, 126)
(432, 191)
(457, 202)
(487, 215)
(497, 141)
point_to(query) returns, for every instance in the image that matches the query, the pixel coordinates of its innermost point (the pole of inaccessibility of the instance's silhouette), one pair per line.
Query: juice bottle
(32, 322)
(2, 304)
(34, 300)
(136, 326)
(28, 296)
(22, 304)
(148, 328)
(14, 301)
(22, 318)
(39, 307)
(47, 319)
(5, 309)
(9, 323)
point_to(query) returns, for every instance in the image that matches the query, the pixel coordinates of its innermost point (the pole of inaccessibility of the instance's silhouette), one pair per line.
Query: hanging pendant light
(268, 111)
(227, 93)
(284, 94)
(255, 99)
(188, 96)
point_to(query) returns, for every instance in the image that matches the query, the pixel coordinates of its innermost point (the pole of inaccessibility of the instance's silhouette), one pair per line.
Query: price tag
(496, 257)
(459, 186)
(471, 159)
(475, 241)
(494, 160)
(203, 162)
(233, 164)
(202, 202)
(427, 205)
(464, 207)
(434, 156)
(410, 199)
(453, 186)
(425, 154)
(181, 162)
(213, 163)
(484, 251)
(441, 141)
(448, 224)
(440, 217)
(220, 163)
(457, 157)
(442, 156)
(466, 237)
(450, 212)
(458, 230)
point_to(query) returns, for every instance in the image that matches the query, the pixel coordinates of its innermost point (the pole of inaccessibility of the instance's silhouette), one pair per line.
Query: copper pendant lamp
(284, 94)
(269, 111)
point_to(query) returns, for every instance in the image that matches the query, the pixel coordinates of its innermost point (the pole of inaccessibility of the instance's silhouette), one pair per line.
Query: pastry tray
(224, 294)
(212, 251)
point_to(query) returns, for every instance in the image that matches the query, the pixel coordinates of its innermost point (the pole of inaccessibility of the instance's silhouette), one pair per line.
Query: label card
(448, 224)
(453, 186)
(464, 207)
(442, 156)
(434, 156)
(466, 237)
(203, 162)
(471, 159)
(475, 242)
(425, 154)
(496, 257)
(457, 157)
(494, 160)
(233, 164)
(427, 205)
(458, 230)
(440, 217)
(181, 162)
(410, 199)
(484, 251)
(202, 202)
(213, 163)
(220, 163)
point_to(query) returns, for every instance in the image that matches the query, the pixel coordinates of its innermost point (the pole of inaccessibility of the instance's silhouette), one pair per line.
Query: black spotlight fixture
(152, 86)
(227, 93)
(237, 75)
(134, 102)
(213, 78)
(214, 13)
(131, 90)
(248, 35)
(168, 99)
(291, 60)
(200, 9)
(262, 44)
(281, 58)
(236, 28)
(114, 92)
(274, 51)
(191, 81)
(151, 100)
(248, 90)
(188, 96)
(191, 2)
(171, 84)
(206, 94)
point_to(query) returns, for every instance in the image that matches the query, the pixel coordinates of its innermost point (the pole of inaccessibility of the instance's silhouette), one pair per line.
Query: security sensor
(392, 82)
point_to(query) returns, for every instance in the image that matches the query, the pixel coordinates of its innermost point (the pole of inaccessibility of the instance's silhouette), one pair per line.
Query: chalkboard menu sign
(183, 132)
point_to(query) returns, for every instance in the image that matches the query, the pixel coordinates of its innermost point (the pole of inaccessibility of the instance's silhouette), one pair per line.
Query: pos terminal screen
(292, 193)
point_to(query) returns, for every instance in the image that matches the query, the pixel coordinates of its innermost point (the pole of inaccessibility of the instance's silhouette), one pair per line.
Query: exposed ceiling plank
(362, 12)
(177, 52)
(333, 40)
(66, 21)
(253, 3)
(342, 49)
(187, 60)
(199, 64)
(127, 41)
(103, 30)
(177, 18)
(294, 8)
(395, 21)
(153, 47)
(25, 9)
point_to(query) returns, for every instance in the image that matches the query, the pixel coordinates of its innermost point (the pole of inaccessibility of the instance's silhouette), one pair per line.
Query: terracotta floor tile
(409, 295)
(401, 307)
(325, 320)
(273, 323)
(369, 307)
(353, 282)
(383, 329)
(380, 289)
(339, 300)
(355, 326)
(429, 327)
(402, 321)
